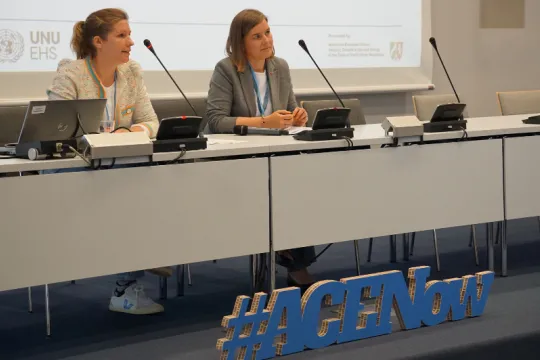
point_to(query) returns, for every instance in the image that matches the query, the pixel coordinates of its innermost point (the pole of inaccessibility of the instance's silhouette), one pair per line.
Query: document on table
(296, 129)
(224, 141)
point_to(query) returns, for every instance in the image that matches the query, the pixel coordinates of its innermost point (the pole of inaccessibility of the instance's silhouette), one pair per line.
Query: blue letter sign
(295, 320)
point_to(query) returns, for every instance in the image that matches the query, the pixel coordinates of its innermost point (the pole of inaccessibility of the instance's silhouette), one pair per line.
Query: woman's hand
(133, 128)
(136, 128)
(299, 117)
(280, 119)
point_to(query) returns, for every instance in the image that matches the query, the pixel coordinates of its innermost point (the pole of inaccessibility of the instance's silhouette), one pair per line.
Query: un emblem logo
(11, 46)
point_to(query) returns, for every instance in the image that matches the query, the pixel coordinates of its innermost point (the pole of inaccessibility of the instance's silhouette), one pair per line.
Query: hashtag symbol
(244, 329)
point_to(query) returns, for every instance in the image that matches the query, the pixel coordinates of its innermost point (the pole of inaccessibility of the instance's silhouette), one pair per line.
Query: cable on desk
(350, 143)
(79, 122)
(102, 167)
(465, 134)
(80, 126)
(71, 148)
(119, 128)
(181, 155)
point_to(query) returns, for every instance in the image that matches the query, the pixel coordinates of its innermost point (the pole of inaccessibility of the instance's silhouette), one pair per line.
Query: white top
(108, 116)
(261, 82)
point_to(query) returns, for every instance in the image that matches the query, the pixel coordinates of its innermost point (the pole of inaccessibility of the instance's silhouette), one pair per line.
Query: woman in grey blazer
(253, 87)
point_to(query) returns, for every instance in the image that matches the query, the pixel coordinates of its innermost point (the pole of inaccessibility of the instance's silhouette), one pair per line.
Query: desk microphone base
(171, 145)
(445, 126)
(39, 150)
(325, 134)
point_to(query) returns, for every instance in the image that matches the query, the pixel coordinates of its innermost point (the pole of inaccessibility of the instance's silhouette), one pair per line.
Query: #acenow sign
(251, 333)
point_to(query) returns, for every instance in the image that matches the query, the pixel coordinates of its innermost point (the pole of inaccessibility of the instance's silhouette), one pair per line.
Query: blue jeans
(129, 276)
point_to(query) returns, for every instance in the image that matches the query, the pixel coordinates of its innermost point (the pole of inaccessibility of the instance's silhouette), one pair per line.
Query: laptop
(51, 120)
(11, 120)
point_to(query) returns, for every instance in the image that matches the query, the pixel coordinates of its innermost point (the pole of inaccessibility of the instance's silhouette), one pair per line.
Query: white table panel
(61, 227)
(522, 177)
(15, 164)
(340, 196)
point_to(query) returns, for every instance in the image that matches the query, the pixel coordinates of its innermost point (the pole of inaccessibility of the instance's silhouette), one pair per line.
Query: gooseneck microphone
(433, 43)
(303, 45)
(150, 47)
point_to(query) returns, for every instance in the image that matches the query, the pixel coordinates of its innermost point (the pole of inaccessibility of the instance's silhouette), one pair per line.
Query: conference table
(260, 194)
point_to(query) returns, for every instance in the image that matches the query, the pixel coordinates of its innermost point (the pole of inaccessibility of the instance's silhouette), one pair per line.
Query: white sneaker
(134, 301)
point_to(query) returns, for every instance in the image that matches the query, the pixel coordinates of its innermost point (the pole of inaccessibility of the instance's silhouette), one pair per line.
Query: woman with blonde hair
(103, 69)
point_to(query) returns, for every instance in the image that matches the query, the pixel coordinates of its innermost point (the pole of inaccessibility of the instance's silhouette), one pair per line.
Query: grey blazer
(231, 93)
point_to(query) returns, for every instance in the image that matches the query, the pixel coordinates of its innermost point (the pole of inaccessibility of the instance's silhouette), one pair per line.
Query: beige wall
(484, 61)
(480, 61)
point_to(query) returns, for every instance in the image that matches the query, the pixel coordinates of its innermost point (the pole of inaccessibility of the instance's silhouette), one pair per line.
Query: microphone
(303, 45)
(433, 43)
(149, 46)
(243, 130)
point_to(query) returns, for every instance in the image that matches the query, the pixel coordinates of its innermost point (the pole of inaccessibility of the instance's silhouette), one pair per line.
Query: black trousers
(301, 258)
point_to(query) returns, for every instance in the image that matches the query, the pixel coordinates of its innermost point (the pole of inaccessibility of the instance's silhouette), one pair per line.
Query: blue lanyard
(262, 106)
(114, 102)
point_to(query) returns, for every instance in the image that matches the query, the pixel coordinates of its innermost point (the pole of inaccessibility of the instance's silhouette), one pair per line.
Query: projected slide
(191, 35)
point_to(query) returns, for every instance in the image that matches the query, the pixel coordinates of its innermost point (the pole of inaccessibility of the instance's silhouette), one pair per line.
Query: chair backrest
(519, 102)
(165, 108)
(425, 105)
(11, 120)
(356, 116)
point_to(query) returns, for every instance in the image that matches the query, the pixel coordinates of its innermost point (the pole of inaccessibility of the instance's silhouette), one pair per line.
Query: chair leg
(370, 249)
(180, 280)
(47, 311)
(262, 278)
(504, 249)
(189, 283)
(252, 272)
(162, 288)
(393, 250)
(406, 247)
(357, 256)
(412, 243)
(475, 245)
(30, 307)
(490, 247)
(436, 245)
